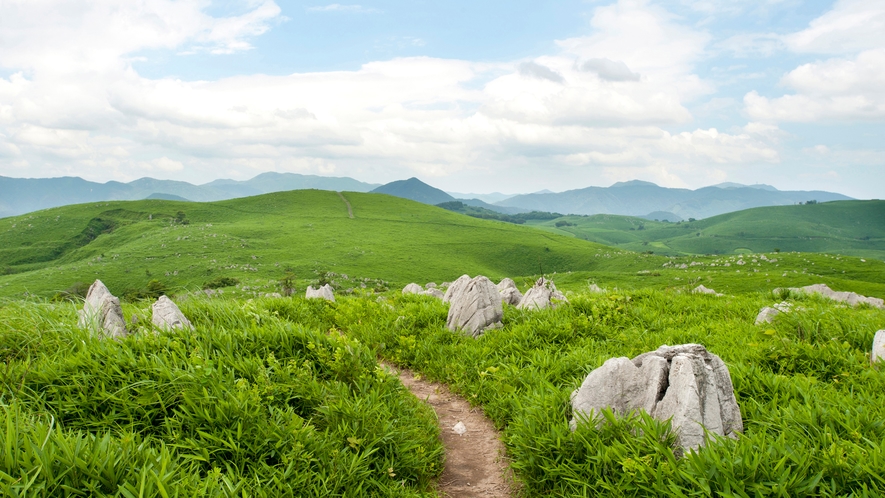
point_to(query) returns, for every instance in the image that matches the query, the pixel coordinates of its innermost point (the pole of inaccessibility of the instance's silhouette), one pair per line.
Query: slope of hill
(23, 195)
(637, 198)
(843, 227)
(257, 239)
(415, 190)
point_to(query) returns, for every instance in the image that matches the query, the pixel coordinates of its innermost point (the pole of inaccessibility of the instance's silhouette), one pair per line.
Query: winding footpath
(346, 203)
(476, 464)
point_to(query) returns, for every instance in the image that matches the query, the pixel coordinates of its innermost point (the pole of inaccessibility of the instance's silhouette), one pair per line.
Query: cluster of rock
(324, 292)
(102, 313)
(685, 384)
(542, 295)
(850, 298)
(428, 290)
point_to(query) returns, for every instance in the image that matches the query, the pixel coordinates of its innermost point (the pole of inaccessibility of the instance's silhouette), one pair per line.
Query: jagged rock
(542, 295)
(703, 290)
(878, 347)
(685, 384)
(413, 288)
(509, 292)
(166, 315)
(434, 292)
(851, 298)
(475, 306)
(101, 312)
(324, 292)
(455, 287)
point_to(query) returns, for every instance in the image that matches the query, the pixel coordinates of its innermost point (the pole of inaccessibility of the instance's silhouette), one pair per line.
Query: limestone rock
(413, 288)
(430, 285)
(542, 295)
(455, 287)
(703, 290)
(324, 292)
(475, 306)
(101, 312)
(434, 292)
(878, 347)
(509, 292)
(594, 289)
(166, 315)
(685, 384)
(766, 315)
(851, 298)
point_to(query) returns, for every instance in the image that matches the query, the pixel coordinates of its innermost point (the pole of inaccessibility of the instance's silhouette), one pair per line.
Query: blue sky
(512, 96)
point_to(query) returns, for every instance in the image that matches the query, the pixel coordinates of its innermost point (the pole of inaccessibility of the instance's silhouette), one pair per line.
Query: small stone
(459, 428)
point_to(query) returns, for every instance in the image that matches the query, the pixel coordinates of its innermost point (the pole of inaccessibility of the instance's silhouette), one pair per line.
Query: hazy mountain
(637, 198)
(493, 207)
(23, 195)
(490, 198)
(415, 190)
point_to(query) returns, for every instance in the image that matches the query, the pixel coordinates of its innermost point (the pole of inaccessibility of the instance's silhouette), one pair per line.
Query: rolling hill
(844, 227)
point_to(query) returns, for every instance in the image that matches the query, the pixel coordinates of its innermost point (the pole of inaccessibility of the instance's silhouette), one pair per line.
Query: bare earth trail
(349, 209)
(476, 464)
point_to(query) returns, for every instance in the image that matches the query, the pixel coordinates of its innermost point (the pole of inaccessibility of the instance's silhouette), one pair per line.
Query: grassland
(845, 227)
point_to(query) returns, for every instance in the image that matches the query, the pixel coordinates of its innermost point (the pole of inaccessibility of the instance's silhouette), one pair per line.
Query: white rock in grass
(459, 428)
(509, 292)
(434, 292)
(324, 292)
(166, 315)
(102, 313)
(685, 384)
(413, 288)
(766, 315)
(542, 295)
(878, 347)
(455, 287)
(851, 298)
(475, 306)
(703, 290)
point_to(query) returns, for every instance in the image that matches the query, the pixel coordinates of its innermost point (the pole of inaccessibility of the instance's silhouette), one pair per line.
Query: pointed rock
(475, 306)
(685, 384)
(102, 313)
(542, 295)
(509, 292)
(166, 315)
(324, 292)
(455, 287)
(878, 347)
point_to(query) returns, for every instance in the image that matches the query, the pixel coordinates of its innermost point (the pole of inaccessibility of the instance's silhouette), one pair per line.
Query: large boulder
(455, 287)
(324, 292)
(102, 313)
(509, 292)
(475, 306)
(542, 295)
(166, 315)
(851, 298)
(878, 347)
(685, 384)
(413, 288)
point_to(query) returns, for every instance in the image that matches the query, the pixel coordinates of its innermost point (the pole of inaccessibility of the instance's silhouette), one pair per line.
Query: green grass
(854, 228)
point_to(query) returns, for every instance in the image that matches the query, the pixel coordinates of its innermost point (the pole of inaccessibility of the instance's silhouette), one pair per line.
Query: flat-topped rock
(475, 306)
(102, 312)
(166, 315)
(324, 292)
(685, 384)
(542, 295)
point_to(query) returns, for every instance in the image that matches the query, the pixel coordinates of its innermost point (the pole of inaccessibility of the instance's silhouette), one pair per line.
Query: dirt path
(476, 465)
(346, 203)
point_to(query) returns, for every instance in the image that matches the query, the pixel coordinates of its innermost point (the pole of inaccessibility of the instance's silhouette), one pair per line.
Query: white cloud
(851, 26)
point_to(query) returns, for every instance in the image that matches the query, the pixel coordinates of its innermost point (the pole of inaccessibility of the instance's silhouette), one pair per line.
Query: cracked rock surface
(475, 305)
(102, 313)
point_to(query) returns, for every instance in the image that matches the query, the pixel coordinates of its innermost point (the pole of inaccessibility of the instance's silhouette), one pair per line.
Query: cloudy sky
(469, 96)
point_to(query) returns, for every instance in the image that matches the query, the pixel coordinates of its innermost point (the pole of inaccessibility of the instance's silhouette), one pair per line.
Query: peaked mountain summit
(416, 190)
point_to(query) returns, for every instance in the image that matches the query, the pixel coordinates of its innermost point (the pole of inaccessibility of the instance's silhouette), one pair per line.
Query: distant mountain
(168, 197)
(637, 198)
(490, 198)
(415, 190)
(662, 216)
(493, 207)
(24, 195)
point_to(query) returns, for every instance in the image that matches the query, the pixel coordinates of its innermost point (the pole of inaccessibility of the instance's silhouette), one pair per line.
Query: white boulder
(166, 315)
(509, 292)
(878, 347)
(324, 292)
(475, 306)
(413, 288)
(542, 295)
(102, 312)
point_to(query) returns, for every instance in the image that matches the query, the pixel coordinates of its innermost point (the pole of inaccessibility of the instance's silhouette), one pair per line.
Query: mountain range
(633, 198)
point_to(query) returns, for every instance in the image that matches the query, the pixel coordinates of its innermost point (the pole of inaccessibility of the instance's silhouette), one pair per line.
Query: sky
(469, 96)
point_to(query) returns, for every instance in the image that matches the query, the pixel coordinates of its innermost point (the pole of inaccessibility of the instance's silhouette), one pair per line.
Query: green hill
(843, 227)
(258, 239)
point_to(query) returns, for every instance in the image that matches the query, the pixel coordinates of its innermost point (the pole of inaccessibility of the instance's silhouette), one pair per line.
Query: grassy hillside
(258, 239)
(844, 227)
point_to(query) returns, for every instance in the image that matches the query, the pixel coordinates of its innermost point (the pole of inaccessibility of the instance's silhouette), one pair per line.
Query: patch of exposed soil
(476, 464)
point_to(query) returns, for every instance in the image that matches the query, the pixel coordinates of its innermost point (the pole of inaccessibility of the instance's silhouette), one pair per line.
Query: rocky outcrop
(166, 315)
(475, 306)
(455, 287)
(542, 295)
(102, 313)
(878, 354)
(851, 298)
(509, 292)
(413, 288)
(324, 292)
(685, 384)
